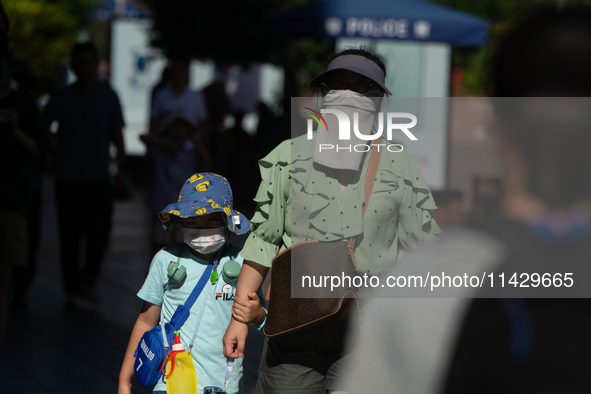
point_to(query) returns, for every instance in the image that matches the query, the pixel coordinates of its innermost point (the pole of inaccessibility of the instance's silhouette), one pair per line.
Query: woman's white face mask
(204, 241)
(354, 105)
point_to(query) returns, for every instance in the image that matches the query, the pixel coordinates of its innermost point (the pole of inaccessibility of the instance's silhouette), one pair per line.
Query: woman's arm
(148, 319)
(250, 280)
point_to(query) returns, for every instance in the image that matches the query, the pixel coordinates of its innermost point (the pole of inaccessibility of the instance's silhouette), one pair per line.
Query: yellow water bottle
(181, 376)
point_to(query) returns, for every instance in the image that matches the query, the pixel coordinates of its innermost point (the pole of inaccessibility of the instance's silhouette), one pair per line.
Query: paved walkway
(52, 350)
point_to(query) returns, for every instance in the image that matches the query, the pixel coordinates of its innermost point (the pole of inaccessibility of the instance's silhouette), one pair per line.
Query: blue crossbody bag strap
(182, 312)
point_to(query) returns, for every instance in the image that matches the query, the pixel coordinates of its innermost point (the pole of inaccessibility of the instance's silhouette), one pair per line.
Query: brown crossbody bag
(295, 319)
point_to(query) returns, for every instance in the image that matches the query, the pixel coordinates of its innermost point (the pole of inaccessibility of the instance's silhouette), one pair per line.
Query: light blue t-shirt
(207, 351)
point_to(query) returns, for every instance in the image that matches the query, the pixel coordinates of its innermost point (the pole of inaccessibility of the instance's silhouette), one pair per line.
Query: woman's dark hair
(360, 51)
(547, 53)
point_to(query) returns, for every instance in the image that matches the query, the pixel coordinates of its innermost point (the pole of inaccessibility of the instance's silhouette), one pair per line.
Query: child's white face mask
(204, 241)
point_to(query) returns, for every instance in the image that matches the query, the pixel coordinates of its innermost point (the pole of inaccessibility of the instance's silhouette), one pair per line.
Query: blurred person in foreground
(90, 118)
(450, 204)
(500, 339)
(22, 145)
(308, 195)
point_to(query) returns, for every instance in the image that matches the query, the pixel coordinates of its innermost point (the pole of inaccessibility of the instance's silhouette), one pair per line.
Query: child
(204, 211)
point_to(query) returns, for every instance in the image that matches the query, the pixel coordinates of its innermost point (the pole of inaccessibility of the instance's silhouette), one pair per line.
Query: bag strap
(200, 316)
(207, 291)
(370, 175)
(370, 178)
(178, 314)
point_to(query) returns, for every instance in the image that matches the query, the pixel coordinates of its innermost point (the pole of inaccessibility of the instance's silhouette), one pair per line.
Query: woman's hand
(248, 311)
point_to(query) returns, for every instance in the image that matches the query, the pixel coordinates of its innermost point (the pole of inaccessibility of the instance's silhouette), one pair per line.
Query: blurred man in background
(177, 97)
(22, 145)
(90, 118)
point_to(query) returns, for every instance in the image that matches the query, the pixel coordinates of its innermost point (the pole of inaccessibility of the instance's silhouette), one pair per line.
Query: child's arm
(250, 280)
(249, 310)
(148, 319)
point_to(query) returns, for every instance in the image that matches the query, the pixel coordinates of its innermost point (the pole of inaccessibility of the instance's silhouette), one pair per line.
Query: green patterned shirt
(300, 200)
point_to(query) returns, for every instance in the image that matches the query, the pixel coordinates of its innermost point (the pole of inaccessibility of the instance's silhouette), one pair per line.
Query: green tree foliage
(501, 14)
(79, 10)
(473, 61)
(42, 34)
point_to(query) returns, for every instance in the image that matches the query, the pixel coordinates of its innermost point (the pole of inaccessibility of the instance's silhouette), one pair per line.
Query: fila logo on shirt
(226, 294)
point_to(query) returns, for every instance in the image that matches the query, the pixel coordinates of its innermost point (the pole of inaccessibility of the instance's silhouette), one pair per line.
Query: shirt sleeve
(273, 208)
(155, 284)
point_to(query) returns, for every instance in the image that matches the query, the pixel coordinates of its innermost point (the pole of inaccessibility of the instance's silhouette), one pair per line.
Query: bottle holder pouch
(151, 352)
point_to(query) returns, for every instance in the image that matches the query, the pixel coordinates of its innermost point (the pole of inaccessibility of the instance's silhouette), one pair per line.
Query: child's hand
(235, 339)
(248, 311)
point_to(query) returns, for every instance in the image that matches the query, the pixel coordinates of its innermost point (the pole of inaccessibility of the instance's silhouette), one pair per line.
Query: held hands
(243, 311)
(248, 311)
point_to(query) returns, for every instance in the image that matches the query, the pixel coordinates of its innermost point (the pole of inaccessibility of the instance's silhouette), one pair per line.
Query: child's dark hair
(360, 51)
(547, 53)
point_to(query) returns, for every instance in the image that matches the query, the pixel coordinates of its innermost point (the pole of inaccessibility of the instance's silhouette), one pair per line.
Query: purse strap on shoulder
(370, 175)
(370, 178)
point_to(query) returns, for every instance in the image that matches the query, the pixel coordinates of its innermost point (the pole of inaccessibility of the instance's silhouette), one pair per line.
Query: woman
(326, 206)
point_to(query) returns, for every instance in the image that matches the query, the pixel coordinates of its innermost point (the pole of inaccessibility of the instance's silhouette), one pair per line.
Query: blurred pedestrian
(89, 118)
(235, 142)
(540, 80)
(177, 97)
(22, 145)
(164, 81)
(271, 130)
(211, 130)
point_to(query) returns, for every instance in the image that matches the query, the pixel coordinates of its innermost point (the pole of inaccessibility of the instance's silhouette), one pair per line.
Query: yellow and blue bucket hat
(203, 194)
